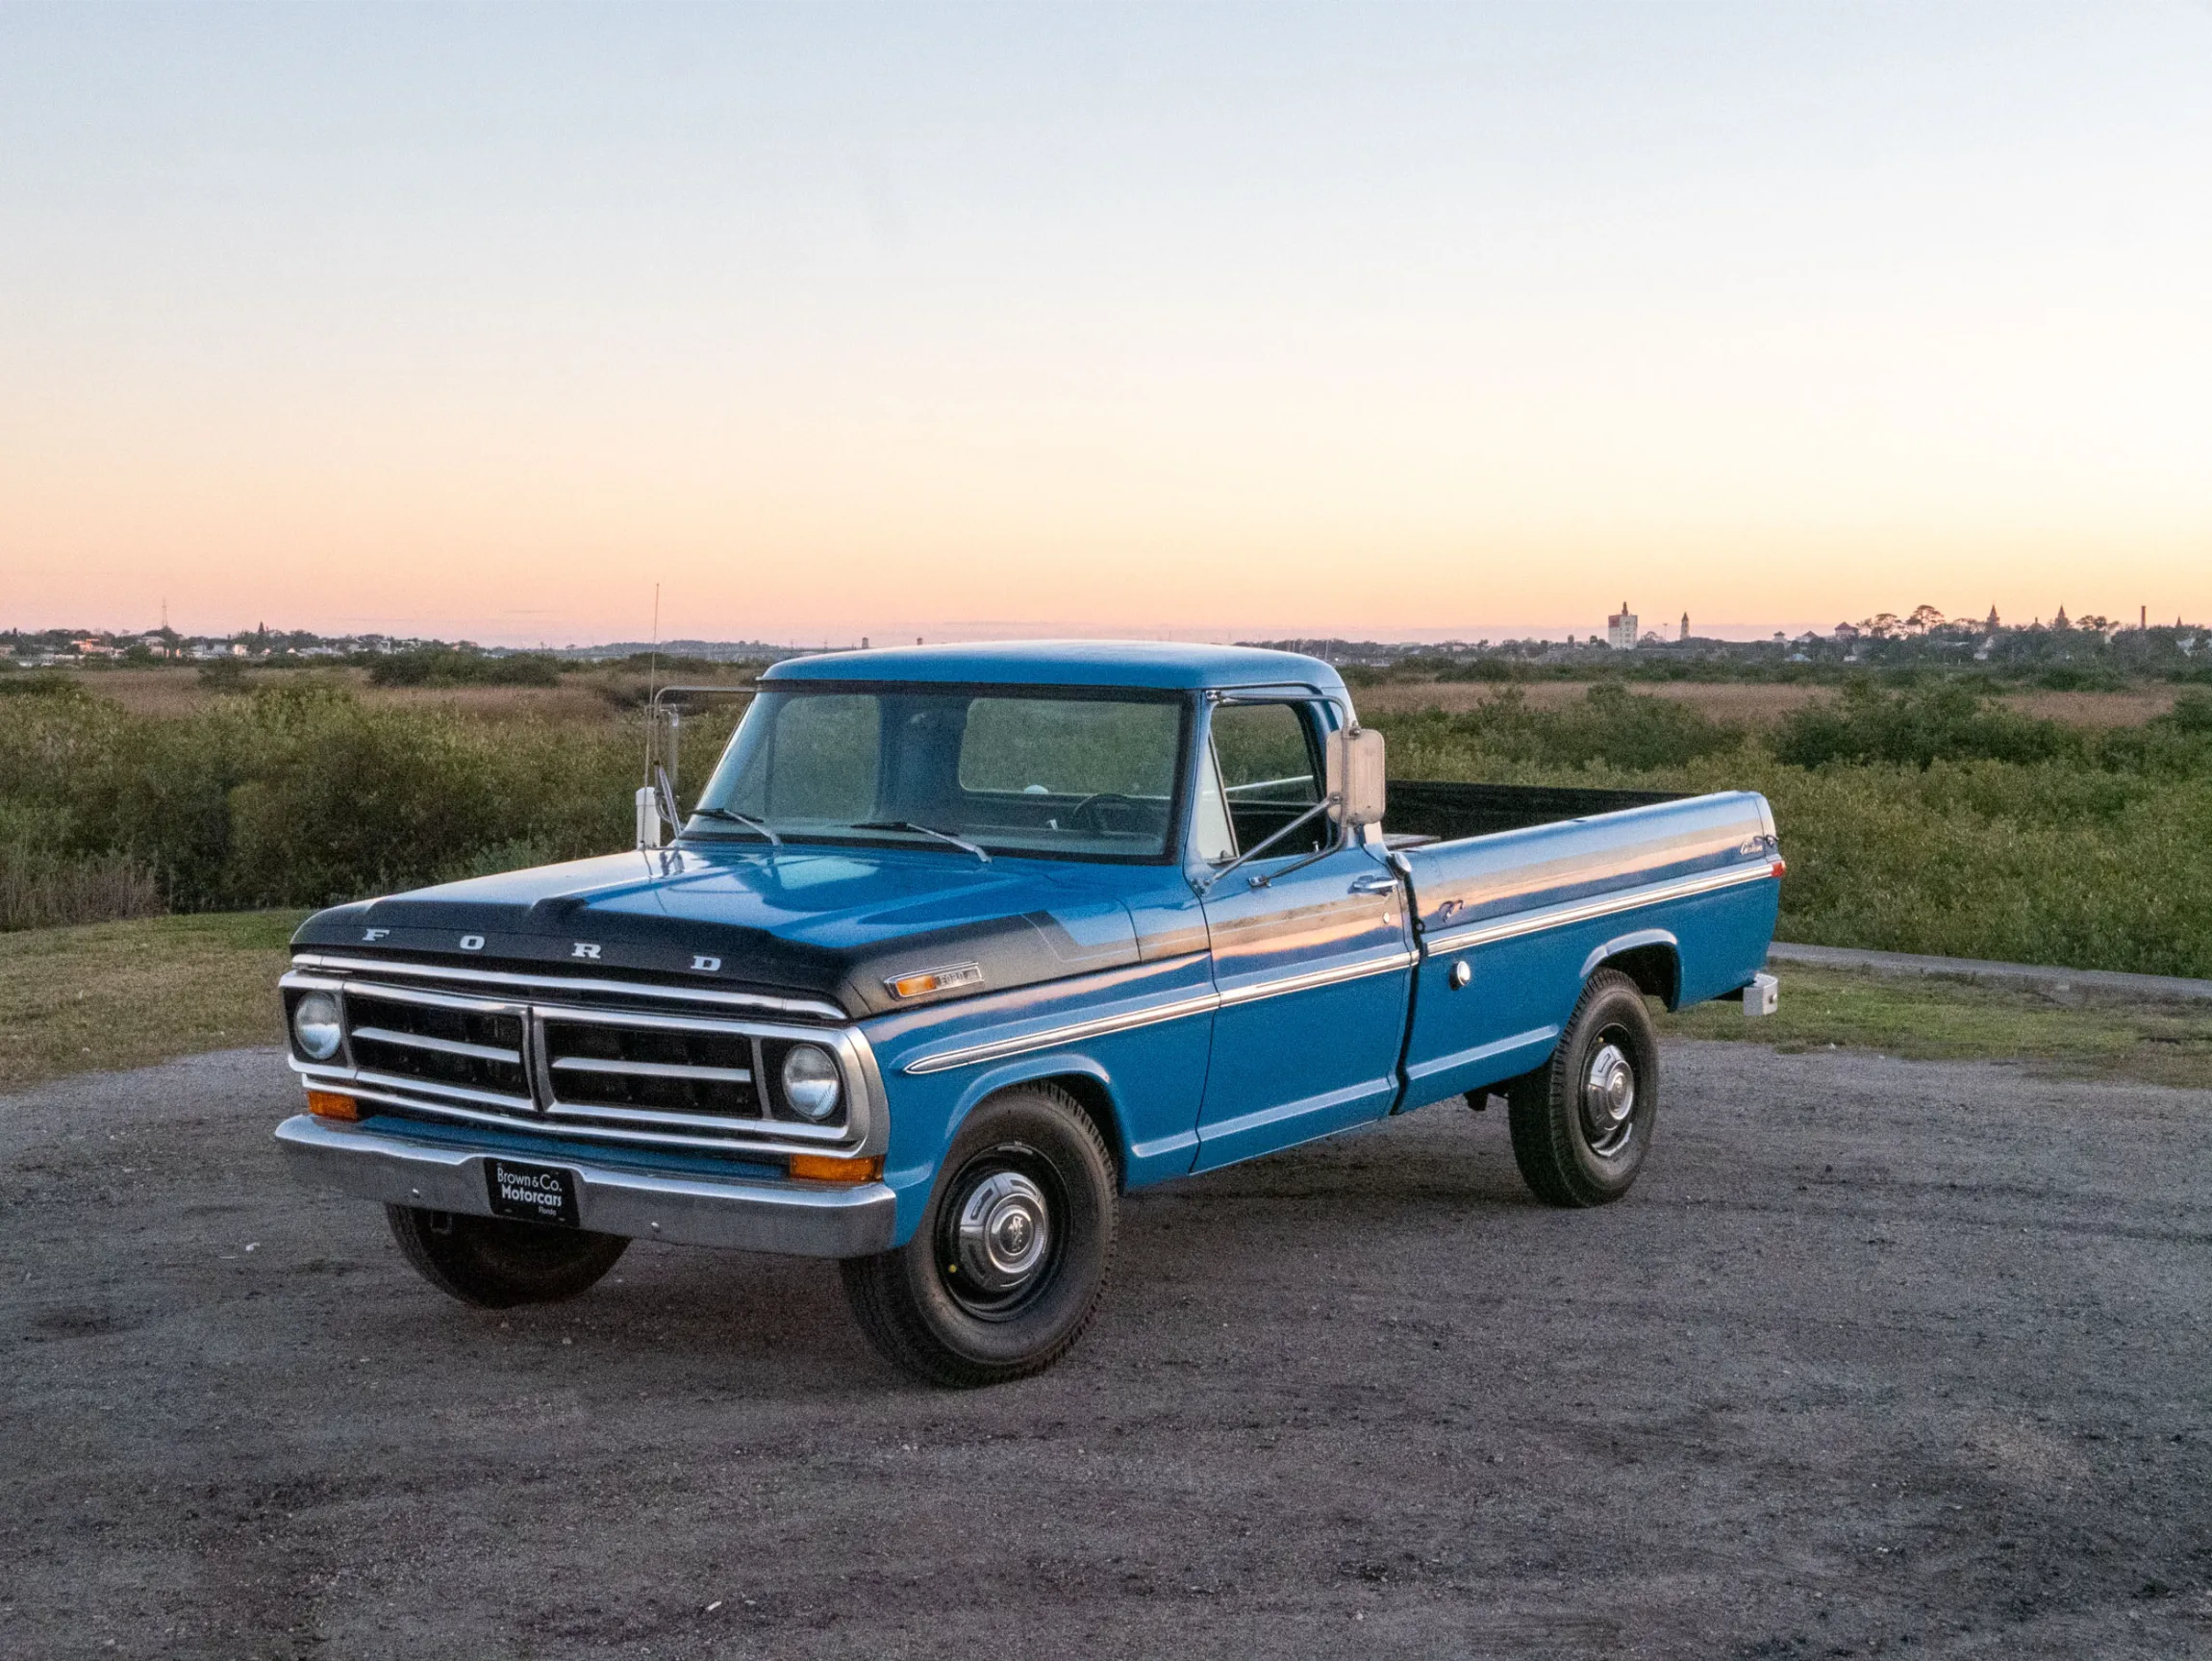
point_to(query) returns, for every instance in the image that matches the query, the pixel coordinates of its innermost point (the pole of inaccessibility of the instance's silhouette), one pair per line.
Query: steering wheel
(1083, 809)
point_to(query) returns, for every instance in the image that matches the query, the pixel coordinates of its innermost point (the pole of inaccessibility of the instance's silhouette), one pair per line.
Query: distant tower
(1685, 625)
(1620, 629)
(1991, 625)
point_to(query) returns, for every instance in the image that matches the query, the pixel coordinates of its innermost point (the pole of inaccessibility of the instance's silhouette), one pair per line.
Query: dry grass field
(585, 697)
(1752, 703)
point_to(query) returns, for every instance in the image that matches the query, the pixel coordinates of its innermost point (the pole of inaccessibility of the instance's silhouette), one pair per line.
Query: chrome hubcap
(1608, 1098)
(1003, 1232)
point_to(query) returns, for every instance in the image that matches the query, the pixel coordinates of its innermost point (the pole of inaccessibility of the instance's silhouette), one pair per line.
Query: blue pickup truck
(959, 945)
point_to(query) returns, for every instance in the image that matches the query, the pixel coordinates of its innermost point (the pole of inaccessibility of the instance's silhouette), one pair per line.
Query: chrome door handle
(1375, 884)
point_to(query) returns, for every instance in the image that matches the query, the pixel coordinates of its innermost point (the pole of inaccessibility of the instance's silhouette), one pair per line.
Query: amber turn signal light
(827, 1168)
(328, 1104)
(928, 980)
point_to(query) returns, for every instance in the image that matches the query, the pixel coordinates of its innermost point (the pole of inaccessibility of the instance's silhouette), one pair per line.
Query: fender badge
(928, 980)
(582, 948)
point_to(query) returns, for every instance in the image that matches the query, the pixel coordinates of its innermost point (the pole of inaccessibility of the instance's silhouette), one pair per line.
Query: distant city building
(1685, 625)
(1620, 629)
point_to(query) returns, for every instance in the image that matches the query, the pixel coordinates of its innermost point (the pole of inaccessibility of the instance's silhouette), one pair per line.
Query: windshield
(1015, 771)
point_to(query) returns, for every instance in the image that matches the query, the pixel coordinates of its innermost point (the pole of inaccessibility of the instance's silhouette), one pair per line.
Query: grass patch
(1933, 1019)
(120, 994)
(125, 994)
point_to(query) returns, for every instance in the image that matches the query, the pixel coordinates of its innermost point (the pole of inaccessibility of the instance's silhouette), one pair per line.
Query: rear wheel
(1011, 1258)
(1582, 1123)
(497, 1263)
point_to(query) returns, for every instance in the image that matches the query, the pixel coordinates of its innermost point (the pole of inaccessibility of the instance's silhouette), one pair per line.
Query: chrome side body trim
(1203, 1003)
(1455, 940)
(800, 1218)
(794, 1006)
(1597, 906)
(1317, 977)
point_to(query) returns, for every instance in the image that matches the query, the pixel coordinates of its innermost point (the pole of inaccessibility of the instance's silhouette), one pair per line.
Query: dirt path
(1878, 1358)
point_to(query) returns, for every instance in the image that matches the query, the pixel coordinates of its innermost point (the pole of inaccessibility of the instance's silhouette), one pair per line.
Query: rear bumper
(796, 1219)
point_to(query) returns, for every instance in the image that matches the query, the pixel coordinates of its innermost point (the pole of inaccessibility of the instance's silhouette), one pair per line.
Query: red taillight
(1782, 867)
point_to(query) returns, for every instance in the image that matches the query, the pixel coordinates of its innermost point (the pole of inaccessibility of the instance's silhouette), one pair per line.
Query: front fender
(916, 1176)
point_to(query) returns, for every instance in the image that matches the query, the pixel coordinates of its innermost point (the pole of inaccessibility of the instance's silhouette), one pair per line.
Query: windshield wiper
(746, 821)
(925, 830)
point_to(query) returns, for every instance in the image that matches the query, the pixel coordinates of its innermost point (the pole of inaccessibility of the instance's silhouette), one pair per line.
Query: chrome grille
(442, 1043)
(681, 1078)
(678, 1070)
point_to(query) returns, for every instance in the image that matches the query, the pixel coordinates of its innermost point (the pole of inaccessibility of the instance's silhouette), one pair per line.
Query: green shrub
(1609, 724)
(2191, 714)
(58, 684)
(1904, 834)
(1912, 820)
(1918, 726)
(444, 666)
(39, 889)
(302, 795)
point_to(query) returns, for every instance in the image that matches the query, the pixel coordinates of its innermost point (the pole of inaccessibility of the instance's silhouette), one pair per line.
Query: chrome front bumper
(796, 1217)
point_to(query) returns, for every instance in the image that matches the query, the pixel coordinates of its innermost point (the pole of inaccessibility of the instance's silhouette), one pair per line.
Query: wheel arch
(1081, 1078)
(1652, 958)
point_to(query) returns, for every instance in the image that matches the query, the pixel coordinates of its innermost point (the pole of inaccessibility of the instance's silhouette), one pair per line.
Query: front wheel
(1011, 1258)
(496, 1263)
(1582, 1123)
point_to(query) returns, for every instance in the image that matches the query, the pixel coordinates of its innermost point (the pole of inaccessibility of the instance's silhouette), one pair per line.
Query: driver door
(1309, 949)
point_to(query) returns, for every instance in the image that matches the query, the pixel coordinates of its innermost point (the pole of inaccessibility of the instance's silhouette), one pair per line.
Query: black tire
(1010, 1294)
(1574, 1141)
(496, 1263)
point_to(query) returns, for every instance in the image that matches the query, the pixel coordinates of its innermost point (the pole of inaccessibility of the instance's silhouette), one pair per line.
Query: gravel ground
(1880, 1358)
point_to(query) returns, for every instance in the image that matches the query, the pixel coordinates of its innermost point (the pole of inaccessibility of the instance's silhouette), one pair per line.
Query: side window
(1270, 773)
(822, 763)
(1211, 837)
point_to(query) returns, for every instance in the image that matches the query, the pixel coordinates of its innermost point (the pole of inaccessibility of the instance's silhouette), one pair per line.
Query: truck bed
(1526, 890)
(1437, 811)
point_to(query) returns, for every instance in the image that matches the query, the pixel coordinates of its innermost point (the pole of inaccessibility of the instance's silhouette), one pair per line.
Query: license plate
(533, 1193)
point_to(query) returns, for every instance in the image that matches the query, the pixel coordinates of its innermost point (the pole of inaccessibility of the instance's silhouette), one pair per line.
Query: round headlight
(811, 1083)
(315, 1024)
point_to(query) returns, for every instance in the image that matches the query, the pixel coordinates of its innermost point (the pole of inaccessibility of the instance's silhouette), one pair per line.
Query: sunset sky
(956, 321)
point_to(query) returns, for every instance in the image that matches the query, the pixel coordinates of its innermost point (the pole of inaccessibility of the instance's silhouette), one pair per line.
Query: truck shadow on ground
(765, 1327)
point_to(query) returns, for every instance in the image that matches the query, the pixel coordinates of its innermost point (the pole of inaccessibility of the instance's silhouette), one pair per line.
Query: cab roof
(1158, 664)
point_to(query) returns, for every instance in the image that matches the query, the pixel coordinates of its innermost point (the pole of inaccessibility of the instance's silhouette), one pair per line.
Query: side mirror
(1356, 776)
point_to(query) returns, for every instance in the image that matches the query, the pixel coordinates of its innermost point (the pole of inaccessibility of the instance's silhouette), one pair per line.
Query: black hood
(831, 923)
